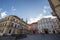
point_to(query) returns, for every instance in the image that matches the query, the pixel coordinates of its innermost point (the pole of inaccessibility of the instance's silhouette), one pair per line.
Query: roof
(18, 18)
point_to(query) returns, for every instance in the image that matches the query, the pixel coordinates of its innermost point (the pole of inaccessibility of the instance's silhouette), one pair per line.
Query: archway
(46, 31)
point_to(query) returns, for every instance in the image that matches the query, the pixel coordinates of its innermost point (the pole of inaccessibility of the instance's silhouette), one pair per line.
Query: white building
(56, 25)
(47, 25)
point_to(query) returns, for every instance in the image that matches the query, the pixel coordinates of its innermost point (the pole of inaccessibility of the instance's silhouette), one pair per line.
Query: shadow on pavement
(19, 36)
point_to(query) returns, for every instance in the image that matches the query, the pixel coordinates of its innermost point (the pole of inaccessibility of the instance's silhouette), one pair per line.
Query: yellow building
(12, 25)
(55, 5)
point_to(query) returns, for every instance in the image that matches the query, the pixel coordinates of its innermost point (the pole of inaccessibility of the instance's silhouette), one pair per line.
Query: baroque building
(48, 25)
(13, 25)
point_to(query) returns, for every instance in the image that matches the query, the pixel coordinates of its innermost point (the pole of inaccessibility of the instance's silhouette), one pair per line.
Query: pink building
(34, 28)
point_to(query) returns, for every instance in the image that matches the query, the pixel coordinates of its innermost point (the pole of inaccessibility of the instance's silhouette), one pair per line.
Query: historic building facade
(12, 25)
(34, 28)
(56, 25)
(47, 25)
(55, 5)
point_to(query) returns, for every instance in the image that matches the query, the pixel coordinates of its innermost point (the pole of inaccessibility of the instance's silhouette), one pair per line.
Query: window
(13, 19)
(1, 30)
(15, 25)
(12, 24)
(4, 24)
(10, 31)
(52, 26)
(16, 21)
(1, 24)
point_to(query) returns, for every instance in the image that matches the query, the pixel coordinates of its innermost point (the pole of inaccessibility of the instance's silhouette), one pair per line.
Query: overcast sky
(32, 10)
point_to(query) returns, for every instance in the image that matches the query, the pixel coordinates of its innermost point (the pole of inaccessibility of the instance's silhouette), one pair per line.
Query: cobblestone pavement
(33, 37)
(42, 37)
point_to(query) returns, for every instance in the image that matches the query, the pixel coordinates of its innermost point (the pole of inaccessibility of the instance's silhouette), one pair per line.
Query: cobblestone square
(42, 37)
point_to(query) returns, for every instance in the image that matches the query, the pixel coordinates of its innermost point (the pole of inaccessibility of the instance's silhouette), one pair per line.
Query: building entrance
(46, 31)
